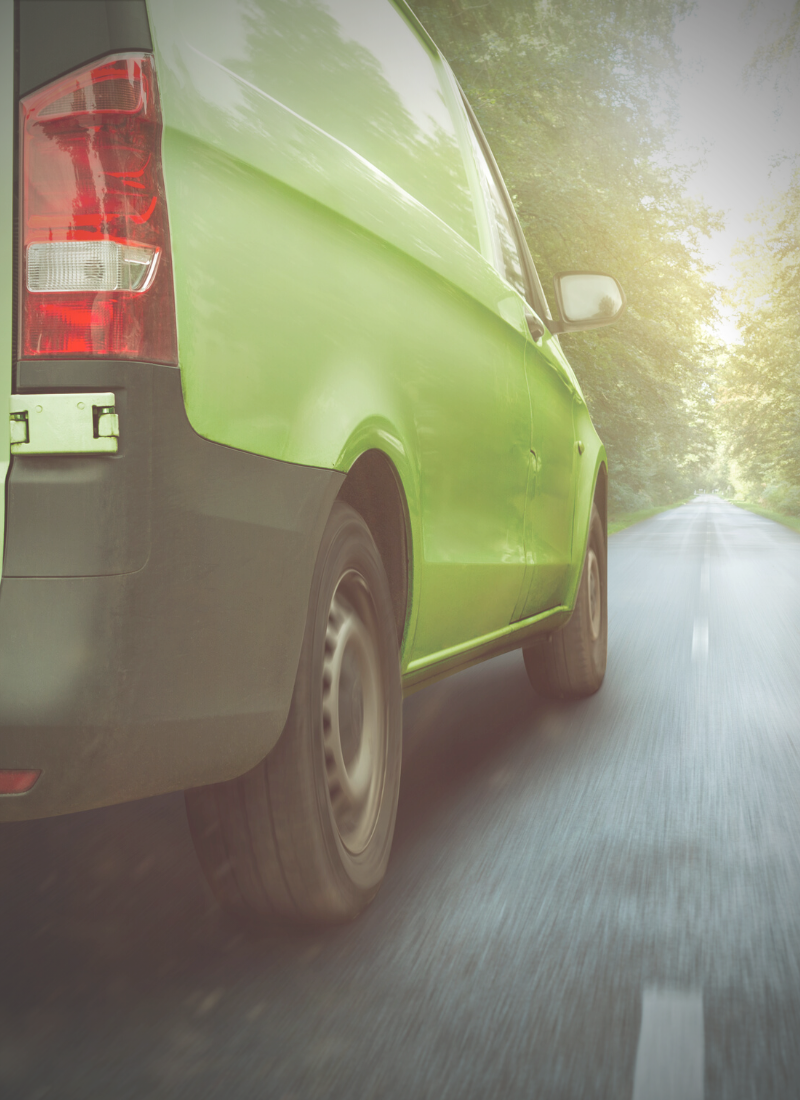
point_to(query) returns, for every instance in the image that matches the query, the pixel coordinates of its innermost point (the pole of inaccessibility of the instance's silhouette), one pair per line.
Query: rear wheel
(571, 663)
(305, 836)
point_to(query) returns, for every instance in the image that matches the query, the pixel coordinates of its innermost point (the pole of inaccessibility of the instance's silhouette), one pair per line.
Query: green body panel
(335, 294)
(7, 319)
(555, 398)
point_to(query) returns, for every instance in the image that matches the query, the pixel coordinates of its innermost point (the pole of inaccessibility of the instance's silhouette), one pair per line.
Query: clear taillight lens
(96, 262)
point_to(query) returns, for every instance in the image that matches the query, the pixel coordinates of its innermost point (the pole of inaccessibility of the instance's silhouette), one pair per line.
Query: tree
(565, 93)
(782, 50)
(760, 391)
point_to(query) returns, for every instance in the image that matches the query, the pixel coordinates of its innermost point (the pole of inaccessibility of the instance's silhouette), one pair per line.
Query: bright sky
(739, 126)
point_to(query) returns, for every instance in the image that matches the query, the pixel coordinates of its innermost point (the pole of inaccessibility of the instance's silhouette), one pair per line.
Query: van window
(507, 258)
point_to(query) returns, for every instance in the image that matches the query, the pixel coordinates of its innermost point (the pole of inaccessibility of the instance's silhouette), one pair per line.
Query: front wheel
(571, 663)
(305, 836)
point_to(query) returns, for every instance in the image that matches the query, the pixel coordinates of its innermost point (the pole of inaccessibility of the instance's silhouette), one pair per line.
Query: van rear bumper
(153, 602)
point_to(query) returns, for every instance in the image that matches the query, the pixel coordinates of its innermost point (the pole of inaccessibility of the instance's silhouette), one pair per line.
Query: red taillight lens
(96, 262)
(15, 781)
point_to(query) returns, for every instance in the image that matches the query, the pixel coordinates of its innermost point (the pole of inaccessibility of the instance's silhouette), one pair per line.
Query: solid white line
(670, 1056)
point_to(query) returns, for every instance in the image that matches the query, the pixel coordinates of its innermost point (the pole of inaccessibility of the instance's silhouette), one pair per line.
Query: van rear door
(8, 105)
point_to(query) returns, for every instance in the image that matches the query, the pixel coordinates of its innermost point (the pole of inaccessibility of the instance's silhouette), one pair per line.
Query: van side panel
(276, 224)
(354, 70)
(320, 301)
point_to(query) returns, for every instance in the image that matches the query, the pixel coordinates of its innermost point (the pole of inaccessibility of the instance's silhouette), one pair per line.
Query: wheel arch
(374, 488)
(592, 489)
(600, 496)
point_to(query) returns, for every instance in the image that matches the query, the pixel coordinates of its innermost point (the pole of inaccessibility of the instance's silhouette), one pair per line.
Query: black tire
(305, 836)
(571, 663)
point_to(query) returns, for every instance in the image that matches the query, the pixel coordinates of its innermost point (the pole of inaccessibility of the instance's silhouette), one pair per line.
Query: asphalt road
(588, 900)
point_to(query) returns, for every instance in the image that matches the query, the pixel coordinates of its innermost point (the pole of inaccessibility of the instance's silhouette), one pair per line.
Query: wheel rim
(595, 595)
(353, 713)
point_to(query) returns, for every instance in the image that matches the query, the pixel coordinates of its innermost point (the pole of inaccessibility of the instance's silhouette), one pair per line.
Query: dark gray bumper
(153, 602)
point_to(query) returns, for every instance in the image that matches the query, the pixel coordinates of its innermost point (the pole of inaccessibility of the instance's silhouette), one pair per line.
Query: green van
(291, 432)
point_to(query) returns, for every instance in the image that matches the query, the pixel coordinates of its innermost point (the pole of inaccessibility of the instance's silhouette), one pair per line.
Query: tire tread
(258, 836)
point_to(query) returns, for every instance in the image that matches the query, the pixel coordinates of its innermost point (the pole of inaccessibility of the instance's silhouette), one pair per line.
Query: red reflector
(17, 782)
(95, 258)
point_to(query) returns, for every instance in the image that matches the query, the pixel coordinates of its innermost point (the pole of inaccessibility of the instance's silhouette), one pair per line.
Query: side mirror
(587, 299)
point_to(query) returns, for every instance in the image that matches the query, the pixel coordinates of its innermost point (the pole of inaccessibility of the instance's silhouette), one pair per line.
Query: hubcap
(595, 596)
(353, 713)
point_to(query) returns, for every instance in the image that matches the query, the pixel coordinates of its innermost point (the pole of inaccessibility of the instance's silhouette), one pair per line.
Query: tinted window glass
(507, 257)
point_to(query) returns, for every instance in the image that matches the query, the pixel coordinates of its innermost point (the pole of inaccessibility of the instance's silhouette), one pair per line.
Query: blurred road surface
(588, 900)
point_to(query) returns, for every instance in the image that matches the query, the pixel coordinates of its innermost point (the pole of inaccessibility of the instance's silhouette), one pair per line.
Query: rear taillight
(15, 781)
(96, 278)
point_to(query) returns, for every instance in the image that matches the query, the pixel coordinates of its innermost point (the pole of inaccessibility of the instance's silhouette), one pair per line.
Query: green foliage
(780, 52)
(565, 93)
(792, 522)
(760, 392)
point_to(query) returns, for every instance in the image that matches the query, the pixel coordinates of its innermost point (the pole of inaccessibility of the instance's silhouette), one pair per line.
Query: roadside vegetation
(778, 517)
(565, 94)
(759, 397)
(627, 519)
(759, 392)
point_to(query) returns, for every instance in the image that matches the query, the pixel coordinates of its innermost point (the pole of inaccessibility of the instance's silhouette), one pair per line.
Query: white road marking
(700, 638)
(700, 631)
(670, 1056)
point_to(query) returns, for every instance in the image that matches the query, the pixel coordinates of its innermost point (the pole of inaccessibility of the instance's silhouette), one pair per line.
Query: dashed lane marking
(670, 1056)
(700, 638)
